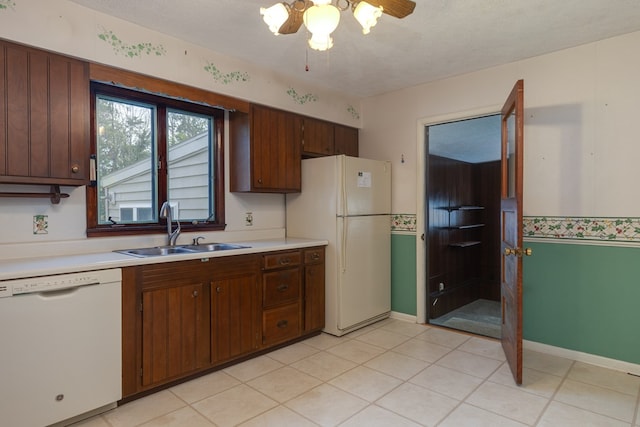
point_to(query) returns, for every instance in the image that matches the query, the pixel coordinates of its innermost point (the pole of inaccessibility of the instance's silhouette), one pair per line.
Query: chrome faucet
(165, 213)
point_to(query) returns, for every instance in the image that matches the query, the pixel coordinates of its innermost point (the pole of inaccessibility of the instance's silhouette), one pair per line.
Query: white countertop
(45, 266)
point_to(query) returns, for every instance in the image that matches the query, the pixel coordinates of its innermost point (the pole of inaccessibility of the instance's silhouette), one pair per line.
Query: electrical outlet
(248, 219)
(441, 286)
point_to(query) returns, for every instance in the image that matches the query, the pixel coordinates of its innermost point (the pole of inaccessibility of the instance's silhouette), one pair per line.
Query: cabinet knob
(195, 294)
(259, 180)
(218, 289)
(75, 168)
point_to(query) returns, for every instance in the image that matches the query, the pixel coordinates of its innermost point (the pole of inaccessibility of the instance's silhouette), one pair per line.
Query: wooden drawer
(281, 324)
(314, 255)
(281, 259)
(280, 286)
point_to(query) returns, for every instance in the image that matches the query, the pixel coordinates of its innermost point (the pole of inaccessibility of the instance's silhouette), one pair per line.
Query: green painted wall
(403, 273)
(579, 297)
(584, 298)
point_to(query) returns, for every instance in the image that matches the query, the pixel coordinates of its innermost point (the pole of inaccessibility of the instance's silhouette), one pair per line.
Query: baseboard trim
(605, 362)
(403, 316)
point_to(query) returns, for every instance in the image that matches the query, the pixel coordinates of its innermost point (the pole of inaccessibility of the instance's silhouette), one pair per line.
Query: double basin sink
(180, 249)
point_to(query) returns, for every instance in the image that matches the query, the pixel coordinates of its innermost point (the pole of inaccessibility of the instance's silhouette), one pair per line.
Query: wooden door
(235, 307)
(511, 228)
(174, 332)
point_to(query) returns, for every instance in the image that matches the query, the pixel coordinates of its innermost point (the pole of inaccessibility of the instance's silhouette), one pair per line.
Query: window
(149, 149)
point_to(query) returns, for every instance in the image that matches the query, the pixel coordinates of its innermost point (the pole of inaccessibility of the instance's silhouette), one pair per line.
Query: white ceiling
(472, 141)
(442, 38)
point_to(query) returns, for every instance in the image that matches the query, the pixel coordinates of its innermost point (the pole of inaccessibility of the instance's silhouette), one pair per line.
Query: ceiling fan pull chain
(306, 60)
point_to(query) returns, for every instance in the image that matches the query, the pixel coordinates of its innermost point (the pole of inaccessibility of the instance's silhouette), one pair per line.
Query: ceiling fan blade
(296, 12)
(396, 8)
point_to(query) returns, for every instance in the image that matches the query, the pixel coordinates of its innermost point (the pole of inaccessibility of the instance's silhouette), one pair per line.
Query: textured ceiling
(442, 38)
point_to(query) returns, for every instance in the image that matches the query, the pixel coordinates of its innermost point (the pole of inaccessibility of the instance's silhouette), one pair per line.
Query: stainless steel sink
(182, 249)
(209, 247)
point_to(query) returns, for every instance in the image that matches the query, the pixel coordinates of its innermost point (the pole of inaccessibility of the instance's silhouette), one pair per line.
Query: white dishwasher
(60, 346)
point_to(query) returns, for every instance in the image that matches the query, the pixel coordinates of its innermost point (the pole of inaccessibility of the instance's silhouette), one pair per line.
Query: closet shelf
(464, 227)
(55, 195)
(465, 244)
(463, 208)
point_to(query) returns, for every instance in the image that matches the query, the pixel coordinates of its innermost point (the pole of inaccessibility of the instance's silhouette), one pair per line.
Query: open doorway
(463, 224)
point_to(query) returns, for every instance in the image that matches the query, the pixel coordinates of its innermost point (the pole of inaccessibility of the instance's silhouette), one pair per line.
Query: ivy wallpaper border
(301, 99)
(226, 78)
(130, 50)
(7, 4)
(606, 229)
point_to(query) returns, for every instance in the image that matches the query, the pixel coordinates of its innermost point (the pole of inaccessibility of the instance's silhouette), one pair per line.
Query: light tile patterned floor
(391, 374)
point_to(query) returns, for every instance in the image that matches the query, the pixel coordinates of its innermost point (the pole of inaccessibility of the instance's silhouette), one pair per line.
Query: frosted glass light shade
(275, 16)
(367, 15)
(321, 20)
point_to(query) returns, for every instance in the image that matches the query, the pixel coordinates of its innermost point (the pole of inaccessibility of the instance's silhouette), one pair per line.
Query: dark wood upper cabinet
(317, 137)
(264, 153)
(345, 140)
(44, 127)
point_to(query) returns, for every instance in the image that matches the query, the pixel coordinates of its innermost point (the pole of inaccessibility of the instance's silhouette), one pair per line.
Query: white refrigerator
(347, 201)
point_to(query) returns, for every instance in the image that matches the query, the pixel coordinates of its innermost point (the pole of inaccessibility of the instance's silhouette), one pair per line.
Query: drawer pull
(282, 324)
(282, 287)
(315, 256)
(285, 261)
(195, 294)
(218, 289)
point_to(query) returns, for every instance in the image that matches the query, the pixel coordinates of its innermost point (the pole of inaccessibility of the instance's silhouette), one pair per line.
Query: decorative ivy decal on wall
(6, 4)
(219, 77)
(353, 112)
(302, 99)
(130, 50)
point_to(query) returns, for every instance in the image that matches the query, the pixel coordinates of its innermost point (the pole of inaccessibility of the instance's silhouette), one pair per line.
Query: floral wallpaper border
(624, 229)
(403, 222)
(226, 78)
(605, 229)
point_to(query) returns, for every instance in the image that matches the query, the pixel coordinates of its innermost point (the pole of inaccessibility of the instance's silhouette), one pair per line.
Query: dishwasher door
(60, 353)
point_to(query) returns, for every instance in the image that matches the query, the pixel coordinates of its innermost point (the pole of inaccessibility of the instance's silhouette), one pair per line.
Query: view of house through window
(149, 150)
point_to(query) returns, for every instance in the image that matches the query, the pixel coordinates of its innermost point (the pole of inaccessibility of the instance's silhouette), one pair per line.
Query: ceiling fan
(321, 17)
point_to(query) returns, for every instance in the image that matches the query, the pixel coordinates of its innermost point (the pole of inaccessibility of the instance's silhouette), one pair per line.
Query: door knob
(518, 251)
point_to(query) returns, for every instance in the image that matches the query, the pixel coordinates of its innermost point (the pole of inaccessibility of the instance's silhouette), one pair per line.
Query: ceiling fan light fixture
(275, 16)
(321, 20)
(367, 15)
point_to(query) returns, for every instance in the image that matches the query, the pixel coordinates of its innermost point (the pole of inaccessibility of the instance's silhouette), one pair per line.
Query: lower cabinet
(235, 306)
(185, 318)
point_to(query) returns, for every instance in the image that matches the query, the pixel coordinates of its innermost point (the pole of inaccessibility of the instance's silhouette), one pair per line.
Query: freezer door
(364, 269)
(364, 186)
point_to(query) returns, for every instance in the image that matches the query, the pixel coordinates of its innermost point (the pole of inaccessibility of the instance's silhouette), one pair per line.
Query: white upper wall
(581, 109)
(65, 27)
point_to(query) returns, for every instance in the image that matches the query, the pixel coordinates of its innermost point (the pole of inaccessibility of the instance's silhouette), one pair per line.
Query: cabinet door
(275, 150)
(317, 138)
(234, 316)
(174, 332)
(44, 134)
(314, 297)
(346, 140)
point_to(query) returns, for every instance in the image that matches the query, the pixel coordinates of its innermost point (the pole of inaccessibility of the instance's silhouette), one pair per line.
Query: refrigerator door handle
(343, 245)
